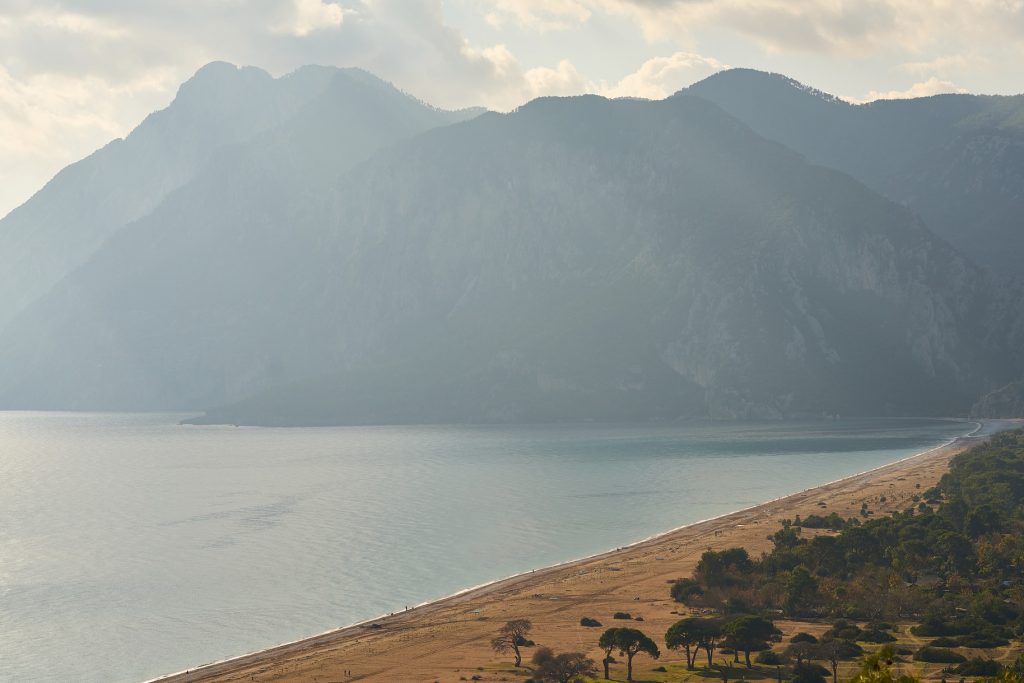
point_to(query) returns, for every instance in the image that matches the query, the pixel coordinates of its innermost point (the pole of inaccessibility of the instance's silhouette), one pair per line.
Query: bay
(131, 546)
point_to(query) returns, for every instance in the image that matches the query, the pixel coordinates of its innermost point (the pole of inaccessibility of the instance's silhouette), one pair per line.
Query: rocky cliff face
(1005, 402)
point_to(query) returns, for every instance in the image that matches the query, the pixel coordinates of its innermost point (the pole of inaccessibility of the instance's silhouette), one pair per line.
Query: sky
(75, 74)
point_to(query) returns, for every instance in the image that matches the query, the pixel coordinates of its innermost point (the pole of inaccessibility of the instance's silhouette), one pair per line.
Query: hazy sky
(76, 73)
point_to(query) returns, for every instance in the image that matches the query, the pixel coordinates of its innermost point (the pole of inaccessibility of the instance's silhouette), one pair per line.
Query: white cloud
(938, 64)
(933, 86)
(312, 15)
(849, 27)
(777, 25)
(539, 15)
(659, 77)
(944, 65)
(50, 120)
(562, 80)
(73, 23)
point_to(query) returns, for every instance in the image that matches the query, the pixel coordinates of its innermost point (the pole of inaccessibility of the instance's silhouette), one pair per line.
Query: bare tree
(835, 650)
(510, 637)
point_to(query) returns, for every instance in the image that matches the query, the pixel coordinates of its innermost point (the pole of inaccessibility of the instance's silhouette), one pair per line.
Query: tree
(836, 649)
(723, 567)
(749, 633)
(801, 591)
(686, 634)
(607, 642)
(629, 642)
(802, 651)
(684, 590)
(694, 634)
(568, 667)
(712, 633)
(510, 637)
(786, 538)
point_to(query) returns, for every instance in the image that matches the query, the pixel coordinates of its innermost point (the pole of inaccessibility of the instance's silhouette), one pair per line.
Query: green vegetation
(568, 667)
(629, 642)
(955, 567)
(952, 565)
(693, 635)
(938, 655)
(749, 634)
(949, 571)
(832, 521)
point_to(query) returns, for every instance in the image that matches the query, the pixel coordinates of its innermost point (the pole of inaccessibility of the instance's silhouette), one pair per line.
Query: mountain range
(956, 160)
(321, 249)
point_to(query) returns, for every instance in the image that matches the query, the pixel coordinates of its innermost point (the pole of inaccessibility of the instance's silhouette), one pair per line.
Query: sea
(132, 546)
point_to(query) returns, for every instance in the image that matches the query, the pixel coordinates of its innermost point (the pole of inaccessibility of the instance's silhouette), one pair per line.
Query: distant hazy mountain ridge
(372, 259)
(138, 325)
(64, 223)
(587, 259)
(957, 160)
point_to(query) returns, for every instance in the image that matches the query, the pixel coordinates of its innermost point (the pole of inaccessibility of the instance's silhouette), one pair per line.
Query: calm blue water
(131, 547)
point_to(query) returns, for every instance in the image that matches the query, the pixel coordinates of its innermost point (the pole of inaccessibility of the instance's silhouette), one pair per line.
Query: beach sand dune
(448, 640)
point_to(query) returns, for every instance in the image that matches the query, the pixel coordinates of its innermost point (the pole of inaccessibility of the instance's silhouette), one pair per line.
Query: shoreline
(241, 667)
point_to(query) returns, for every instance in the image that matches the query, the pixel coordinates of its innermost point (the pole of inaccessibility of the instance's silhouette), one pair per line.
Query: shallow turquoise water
(132, 547)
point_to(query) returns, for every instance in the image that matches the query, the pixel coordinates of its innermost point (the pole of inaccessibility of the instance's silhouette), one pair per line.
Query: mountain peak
(215, 76)
(760, 83)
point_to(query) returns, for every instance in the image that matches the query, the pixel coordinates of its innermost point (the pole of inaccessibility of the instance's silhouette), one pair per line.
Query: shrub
(944, 642)
(874, 636)
(803, 637)
(832, 521)
(842, 630)
(542, 655)
(982, 641)
(592, 623)
(769, 657)
(938, 655)
(978, 667)
(849, 649)
(621, 615)
(810, 672)
(937, 627)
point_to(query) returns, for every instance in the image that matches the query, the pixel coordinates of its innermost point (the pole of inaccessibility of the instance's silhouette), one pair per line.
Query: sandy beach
(448, 640)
